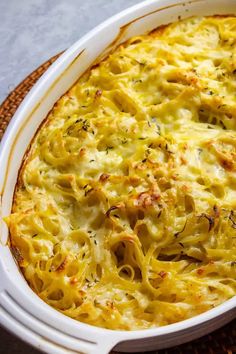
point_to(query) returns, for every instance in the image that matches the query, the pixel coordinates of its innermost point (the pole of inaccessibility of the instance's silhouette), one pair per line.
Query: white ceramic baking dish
(23, 312)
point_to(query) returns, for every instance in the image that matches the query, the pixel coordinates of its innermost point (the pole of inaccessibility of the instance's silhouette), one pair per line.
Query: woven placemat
(222, 341)
(13, 100)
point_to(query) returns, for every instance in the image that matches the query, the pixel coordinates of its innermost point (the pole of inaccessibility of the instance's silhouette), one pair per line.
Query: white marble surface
(32, 31)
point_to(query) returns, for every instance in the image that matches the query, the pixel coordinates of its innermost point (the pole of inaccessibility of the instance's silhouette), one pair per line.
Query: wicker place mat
(222, 341)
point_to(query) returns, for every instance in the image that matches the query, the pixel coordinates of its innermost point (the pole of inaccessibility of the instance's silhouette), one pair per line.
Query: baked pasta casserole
(124, 210)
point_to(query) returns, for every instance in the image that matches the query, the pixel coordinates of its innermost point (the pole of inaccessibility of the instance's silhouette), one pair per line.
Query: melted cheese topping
(124, 213)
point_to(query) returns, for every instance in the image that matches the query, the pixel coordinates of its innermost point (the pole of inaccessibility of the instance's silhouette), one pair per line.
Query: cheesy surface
(124, 213)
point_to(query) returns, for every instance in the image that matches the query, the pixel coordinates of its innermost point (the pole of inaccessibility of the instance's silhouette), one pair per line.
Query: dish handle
(27, 324)
(105, 345)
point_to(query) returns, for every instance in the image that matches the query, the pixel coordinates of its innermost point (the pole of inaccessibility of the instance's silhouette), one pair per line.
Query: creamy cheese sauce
(124, 214)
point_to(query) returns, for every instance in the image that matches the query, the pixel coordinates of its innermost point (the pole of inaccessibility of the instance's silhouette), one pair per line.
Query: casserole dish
(21, 310)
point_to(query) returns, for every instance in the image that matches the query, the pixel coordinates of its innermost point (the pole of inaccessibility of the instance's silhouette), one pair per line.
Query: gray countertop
(32, 31)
